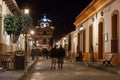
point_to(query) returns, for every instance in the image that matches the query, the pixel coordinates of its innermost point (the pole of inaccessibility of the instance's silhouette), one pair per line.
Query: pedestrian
(32, 54)
(61, 56)
(80, 56)
(45, 53)
(53, 56)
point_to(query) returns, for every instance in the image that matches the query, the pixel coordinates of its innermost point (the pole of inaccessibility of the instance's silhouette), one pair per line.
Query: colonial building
(7, 46)
(6, 7)
(44, 33)
(98, 28)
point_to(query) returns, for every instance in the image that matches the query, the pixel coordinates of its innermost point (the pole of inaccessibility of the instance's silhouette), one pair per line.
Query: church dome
(45, 19)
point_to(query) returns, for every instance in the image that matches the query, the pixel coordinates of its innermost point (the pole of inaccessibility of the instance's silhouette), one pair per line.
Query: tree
(10, 24)
(17, 24)
(28, 23)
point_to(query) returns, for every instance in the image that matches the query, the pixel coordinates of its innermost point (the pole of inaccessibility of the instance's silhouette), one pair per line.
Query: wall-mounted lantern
(92, 19)
(81, 28)
(64, 38)
(102, 13)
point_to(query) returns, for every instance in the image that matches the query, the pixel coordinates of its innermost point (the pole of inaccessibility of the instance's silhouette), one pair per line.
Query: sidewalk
(17, 74)
(97, 65)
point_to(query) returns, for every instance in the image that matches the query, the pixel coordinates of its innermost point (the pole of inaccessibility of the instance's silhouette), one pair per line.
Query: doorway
(78, 43)
(100, 41)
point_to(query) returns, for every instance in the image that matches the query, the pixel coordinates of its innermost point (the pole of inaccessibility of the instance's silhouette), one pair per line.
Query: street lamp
(26, 12)
(32, 33)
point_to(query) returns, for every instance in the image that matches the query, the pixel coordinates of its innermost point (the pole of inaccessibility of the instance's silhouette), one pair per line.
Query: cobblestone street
(70, 71)
(36, 34)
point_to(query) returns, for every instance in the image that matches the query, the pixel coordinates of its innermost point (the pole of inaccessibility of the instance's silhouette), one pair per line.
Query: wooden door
(100, 41)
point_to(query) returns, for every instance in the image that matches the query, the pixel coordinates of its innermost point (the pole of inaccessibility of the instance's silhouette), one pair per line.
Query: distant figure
(80, 56)
(60, 56)
(45, 53)
(53, 56)
(32, 54)
(37, 52)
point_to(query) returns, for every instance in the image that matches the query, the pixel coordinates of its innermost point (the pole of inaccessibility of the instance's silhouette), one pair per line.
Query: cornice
(12, 5)
(92, 7)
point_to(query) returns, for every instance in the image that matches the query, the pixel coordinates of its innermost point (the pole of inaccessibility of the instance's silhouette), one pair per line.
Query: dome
(45, 19)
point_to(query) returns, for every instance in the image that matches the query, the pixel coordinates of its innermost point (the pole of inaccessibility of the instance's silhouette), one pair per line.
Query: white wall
(5, 10)
(106, 26)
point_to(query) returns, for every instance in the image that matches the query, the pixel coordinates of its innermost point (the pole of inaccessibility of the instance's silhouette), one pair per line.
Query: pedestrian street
(71, 71)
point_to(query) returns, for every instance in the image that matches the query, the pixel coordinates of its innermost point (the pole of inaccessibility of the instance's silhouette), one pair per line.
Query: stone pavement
(70, 71)
(16, 74)
(97, 65)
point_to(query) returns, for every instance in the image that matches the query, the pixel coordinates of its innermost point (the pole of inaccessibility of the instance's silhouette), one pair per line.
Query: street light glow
(81, 28)
(64, 38)
(32, 32)
(26, 11)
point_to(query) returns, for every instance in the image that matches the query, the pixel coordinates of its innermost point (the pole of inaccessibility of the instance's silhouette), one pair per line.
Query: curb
(27, 70)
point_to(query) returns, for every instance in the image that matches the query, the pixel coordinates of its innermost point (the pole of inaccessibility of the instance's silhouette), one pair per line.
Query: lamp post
(26, 12)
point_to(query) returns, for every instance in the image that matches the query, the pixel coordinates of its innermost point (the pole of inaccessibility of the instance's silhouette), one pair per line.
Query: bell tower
(44, 33)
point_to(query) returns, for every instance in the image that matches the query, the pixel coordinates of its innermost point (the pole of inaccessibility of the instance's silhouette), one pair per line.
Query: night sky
(61, 12)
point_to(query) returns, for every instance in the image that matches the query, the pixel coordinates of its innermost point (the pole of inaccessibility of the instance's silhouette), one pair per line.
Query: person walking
(61, 56)
(45, 52)
(53, 56)
(32, 54)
